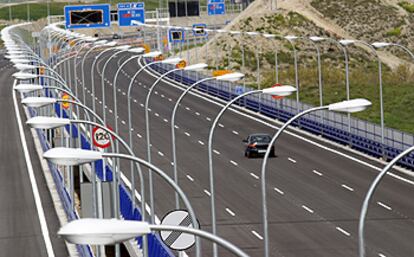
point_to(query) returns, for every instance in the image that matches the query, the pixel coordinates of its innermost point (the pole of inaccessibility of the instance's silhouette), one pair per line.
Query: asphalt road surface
(314, 195)
(20, 232)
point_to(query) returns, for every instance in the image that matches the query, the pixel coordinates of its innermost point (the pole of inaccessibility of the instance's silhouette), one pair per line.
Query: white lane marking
(160, 153)
(347, 187)
(208, 118)
(123, 93)
(35, 189)
(156, 92)
(381, 255)
(197, 113)
(221, 125)
(200, 142)
(169, 99)
(234, 163)
(384, 206)
(307, 208)
(257, 235)
(254, 175)
(135, 100)
(292, 160)
(162, 96)
(187, 108)
(165, 120)
(138, 135)
(343, 231)
(216, 152)
(110, 111)
(123, 122)
(235, 132)
(187, 134)
(156, 114)
(207, 192)
(230, 212)
(141, 104)
(175, 126)
(132, 129)
(279, 191)
(190, 178)
(317, 172)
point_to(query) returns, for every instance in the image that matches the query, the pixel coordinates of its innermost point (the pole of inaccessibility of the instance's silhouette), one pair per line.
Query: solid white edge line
(237, 109)
(35, 189)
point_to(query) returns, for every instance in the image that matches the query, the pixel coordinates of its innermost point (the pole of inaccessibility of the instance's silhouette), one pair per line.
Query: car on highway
(257, 144)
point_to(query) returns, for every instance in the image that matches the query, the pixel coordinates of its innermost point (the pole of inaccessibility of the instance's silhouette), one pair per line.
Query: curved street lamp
(279, 91)
(355, 105)
(110, 231)
(370, 193)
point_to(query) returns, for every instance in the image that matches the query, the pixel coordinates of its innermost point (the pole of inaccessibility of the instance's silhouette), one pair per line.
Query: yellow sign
(65, 105)
(72, 42)
(147, 48)
(165, 41)
(217, 73)
(181, 64)
(158, 58)
(41, 70)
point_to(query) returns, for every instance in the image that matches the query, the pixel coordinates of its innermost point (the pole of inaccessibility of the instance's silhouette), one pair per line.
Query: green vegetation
(407, 6)
(394, 32)
(39, 10)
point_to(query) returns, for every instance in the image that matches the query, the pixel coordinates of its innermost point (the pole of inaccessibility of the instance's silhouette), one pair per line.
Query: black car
(256, 144)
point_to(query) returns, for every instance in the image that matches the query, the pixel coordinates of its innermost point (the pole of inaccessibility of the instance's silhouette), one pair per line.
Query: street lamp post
(372, 48)
(227, 77)
(346, 106)
(281, 91)
(370, 193)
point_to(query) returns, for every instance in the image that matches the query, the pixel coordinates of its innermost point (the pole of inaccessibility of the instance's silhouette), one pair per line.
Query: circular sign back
(178, 241)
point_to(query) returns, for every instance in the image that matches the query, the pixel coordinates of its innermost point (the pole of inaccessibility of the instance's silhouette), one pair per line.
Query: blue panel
(104, 9)
(199, 33)
(128, 12)
(137, 5)
(216, 9)
(215, 1)
(175, 39)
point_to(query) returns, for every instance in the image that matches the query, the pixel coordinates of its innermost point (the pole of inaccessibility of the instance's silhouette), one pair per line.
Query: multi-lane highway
(315, 193)
(21, 233)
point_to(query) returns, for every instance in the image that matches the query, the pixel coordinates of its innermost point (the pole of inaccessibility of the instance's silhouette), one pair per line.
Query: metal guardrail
(364, 136)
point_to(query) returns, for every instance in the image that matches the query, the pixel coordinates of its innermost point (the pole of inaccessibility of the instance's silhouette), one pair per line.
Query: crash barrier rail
(155, 246)
(364, 136)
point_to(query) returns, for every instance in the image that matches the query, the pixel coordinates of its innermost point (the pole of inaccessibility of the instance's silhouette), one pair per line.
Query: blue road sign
(138, 5)
(215, 1)
(176, 36)
(238, 90)
(199, 30)
(87, 16)
(216, 9)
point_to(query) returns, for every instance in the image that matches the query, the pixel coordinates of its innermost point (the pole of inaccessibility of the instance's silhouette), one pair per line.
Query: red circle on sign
(277, 97)
(101, 138)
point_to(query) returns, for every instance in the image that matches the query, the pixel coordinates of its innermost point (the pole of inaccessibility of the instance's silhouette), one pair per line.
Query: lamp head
(36, 102)
(380, 44)
(152, 54)
(173, 60)
(24, 75)
(279, 91)
(231, 77)
(71, 156)
(346, 42)
(350, 106)
(102, 231)
(26, 88)
(137, 50)
(43, 122)
(196, 67)
(316, 38)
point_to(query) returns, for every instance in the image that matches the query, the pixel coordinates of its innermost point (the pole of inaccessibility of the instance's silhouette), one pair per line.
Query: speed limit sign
(101, 138)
